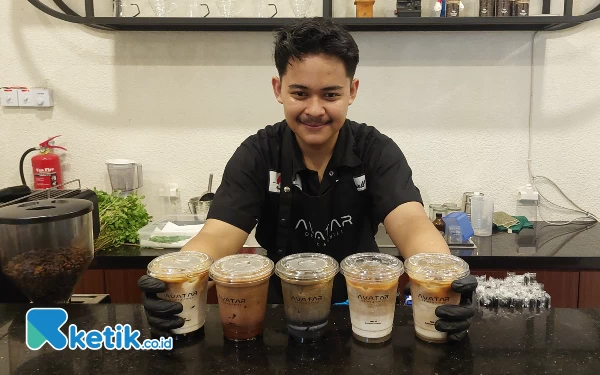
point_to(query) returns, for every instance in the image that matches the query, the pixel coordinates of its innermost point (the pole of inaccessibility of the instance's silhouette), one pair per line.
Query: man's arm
(217, 239)
(411, 231)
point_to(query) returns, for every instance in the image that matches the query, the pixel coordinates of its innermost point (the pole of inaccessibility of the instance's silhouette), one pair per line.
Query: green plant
(120, 219)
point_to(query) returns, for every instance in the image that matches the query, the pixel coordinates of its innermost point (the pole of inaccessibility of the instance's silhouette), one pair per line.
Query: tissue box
(462, 220)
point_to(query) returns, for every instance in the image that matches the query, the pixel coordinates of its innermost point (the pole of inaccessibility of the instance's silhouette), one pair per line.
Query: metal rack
(354, 24)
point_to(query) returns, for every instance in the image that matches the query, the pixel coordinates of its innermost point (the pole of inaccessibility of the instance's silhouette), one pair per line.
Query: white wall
(181, 102)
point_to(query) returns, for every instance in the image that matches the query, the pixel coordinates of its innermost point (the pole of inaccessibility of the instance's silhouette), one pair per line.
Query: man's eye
(299, 93)
(331, 95)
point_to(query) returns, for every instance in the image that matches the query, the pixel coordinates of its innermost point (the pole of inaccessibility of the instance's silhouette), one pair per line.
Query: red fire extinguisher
(47, 172)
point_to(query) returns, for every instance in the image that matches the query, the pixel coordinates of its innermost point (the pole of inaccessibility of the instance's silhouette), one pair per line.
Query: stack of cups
(242, 282)
(307, 282)
(372, 282)
(186, 276)
(431, 276)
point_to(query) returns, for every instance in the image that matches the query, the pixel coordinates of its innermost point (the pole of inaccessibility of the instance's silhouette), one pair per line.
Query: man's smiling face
(315, 92)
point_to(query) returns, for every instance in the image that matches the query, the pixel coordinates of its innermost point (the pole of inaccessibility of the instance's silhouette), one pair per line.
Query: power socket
(528, 193)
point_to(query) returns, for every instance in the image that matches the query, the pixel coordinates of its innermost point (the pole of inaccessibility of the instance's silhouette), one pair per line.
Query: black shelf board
(353, 24)
(531, 23)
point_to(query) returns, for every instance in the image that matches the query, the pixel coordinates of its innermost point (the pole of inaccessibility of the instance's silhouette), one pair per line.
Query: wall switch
(9, 97)
(35, 97)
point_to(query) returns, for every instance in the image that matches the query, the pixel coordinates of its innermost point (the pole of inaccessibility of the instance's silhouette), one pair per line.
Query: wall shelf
(531, 23)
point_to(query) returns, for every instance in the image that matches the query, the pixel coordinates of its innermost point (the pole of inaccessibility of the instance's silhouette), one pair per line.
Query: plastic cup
(186, 276)
(242, 282)
(307, 282)
(372, 282)
(482, 215)
(431, 276)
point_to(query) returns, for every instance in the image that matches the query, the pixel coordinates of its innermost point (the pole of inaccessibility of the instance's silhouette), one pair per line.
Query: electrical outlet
(9, 97)
(528, 193)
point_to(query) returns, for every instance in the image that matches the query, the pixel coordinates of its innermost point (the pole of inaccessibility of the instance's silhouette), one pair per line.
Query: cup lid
(435, 266)
(179, 264)
(241, 268)
(372, 266)
(307, 266)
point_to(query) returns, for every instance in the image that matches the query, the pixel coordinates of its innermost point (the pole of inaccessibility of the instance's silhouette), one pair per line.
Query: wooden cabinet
(589, 289)
(91, 282)
(122, 285)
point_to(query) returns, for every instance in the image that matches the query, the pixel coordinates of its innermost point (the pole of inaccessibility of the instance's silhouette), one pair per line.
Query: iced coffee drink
(242, 282)
(307, 282)
(186, 276)
(372, 283)
(431, 276)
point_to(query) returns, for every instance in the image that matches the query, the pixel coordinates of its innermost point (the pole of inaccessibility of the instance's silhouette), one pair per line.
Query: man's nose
(315, 107)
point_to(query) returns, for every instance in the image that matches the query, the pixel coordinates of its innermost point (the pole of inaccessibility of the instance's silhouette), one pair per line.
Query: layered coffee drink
(307, 282)
(372, 283)
(431, 276)
(242, 282)
(186, 276)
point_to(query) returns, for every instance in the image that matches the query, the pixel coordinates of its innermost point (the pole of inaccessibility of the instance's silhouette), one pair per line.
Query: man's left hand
(456, 319)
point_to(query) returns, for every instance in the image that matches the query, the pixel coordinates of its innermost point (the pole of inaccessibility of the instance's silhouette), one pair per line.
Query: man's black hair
(313, 36)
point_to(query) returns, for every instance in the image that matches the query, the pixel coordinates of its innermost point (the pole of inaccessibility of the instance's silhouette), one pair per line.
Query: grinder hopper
(45, 246)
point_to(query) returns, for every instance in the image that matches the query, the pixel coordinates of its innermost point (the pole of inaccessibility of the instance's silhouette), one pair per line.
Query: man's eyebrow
(302, 87)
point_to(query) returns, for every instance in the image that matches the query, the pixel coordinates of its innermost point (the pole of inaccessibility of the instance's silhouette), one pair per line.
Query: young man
(315, 182)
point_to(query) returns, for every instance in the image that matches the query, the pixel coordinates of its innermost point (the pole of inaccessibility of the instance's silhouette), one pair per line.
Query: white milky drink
(372, 283)
(431, 276)
(186, 276)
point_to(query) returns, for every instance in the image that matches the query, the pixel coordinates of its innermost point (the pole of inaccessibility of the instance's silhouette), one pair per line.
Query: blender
(46, 246)
(122, 174)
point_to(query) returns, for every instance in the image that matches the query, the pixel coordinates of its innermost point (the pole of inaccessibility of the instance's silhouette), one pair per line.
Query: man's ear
(276, 81)
(353, 90)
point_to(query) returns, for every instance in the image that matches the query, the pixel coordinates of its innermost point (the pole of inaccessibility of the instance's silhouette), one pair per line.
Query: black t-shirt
(251, 173)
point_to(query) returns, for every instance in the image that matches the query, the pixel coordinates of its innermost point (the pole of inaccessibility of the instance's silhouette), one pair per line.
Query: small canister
(452, 8)
(486, 8)
(522, 9)
(502, 8)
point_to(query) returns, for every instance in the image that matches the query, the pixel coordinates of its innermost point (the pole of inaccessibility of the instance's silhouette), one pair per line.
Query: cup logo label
(373, 299)
(434, 299)
(178, 297)
(232, 301)
(306, 300)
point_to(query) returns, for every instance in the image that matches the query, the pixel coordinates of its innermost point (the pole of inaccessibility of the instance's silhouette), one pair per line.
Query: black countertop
(556, 341)
(569, 247)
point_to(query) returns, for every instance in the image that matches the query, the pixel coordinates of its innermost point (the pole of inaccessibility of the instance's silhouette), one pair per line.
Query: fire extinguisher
(47, 172)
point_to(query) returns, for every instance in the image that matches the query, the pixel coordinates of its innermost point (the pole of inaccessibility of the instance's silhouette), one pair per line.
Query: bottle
(439, 224)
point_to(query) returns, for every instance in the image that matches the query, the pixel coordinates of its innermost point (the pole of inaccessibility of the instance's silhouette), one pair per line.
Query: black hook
(274, 14)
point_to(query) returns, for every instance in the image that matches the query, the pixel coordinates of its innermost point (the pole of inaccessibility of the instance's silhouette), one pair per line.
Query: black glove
(160, 313)
(456, 319)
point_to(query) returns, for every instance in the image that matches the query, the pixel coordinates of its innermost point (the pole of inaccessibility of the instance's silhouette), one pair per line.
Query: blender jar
(45, 246)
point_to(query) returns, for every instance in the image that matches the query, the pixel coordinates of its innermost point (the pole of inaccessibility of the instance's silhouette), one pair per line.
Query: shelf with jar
(356, 15)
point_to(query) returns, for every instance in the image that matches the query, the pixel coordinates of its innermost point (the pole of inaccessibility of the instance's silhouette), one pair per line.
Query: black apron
(337, 223)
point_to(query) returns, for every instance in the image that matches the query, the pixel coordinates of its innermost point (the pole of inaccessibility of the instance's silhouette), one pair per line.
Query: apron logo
(333, 229)
(275, 182)
(360, 182)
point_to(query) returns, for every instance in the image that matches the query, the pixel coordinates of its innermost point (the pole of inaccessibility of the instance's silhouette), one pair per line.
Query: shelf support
(568, 8)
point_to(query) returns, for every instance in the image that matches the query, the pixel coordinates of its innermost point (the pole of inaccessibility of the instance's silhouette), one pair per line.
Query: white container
(482, 215)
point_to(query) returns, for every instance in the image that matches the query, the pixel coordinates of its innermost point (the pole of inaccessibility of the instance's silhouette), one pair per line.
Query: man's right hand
(161, 314)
